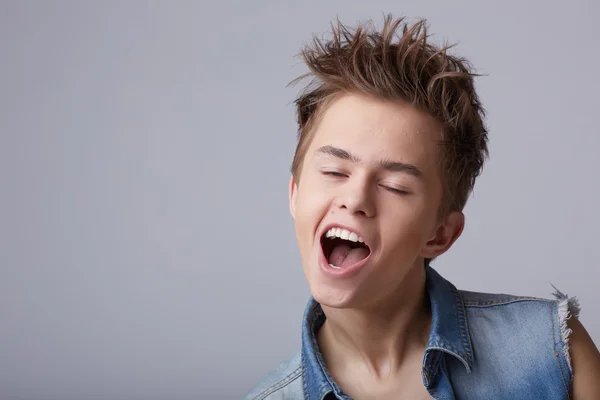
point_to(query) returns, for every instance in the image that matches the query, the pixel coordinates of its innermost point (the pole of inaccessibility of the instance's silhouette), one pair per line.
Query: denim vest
(481, 346)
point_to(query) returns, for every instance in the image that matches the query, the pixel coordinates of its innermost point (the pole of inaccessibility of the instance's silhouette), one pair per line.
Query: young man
(391, 139)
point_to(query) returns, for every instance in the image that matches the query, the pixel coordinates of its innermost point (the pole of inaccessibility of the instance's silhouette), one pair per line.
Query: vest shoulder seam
(503, 301)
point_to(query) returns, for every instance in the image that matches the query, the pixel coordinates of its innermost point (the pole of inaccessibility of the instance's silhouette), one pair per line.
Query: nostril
(356, 211)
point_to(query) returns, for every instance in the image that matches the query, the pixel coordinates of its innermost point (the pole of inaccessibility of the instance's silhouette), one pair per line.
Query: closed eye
(396, 191)
(334, 173)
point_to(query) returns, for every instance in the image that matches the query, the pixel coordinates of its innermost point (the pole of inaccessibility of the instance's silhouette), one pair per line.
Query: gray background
(146, 249)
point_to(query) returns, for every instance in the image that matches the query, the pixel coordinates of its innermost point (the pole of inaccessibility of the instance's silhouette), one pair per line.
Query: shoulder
(586, 362)
(524, 322)
(520, 312)
(506, 316)
(520, 336)
(510, 324)
(283, 382)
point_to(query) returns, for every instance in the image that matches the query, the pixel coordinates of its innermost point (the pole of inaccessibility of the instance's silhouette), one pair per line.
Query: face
(371, 171)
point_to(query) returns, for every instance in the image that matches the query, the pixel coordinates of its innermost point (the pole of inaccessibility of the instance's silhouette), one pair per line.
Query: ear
(446, 233)
(293, 193)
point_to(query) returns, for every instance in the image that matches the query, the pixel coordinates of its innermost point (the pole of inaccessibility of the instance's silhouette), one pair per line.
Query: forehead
(376, 129)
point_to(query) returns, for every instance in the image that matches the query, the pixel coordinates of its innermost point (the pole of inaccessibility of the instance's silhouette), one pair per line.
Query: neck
(382, 335)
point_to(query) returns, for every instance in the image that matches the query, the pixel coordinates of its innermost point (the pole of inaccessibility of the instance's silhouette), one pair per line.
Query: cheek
(312, 194)
(311, 206)
(407, 225)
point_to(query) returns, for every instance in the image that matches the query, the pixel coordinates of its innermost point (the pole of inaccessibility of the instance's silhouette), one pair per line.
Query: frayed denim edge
(567, 307)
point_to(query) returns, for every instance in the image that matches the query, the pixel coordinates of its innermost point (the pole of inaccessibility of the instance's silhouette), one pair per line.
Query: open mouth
(343, 248)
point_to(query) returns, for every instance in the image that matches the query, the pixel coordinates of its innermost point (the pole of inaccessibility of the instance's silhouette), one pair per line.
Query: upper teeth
(344, 234)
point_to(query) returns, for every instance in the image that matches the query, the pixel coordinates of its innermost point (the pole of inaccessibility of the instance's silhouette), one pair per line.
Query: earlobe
(292, 192)
(446, 234)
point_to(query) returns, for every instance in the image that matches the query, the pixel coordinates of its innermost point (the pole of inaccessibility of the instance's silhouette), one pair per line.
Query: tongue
(344, 256)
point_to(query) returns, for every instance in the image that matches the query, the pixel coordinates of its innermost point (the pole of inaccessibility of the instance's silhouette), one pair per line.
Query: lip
(340, 272)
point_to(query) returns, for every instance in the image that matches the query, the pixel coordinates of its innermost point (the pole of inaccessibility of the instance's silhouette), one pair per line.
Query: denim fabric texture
(481, 346)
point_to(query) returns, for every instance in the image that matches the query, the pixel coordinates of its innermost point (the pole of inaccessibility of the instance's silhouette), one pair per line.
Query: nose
(356, 197)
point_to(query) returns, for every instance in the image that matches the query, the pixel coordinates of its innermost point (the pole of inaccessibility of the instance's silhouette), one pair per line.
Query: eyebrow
(389, 165)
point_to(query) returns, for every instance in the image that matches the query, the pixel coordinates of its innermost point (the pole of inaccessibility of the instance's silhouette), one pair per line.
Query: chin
(333, 299)
(332, 294)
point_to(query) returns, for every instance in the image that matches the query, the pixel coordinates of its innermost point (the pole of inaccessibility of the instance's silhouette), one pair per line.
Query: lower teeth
(333, 266)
